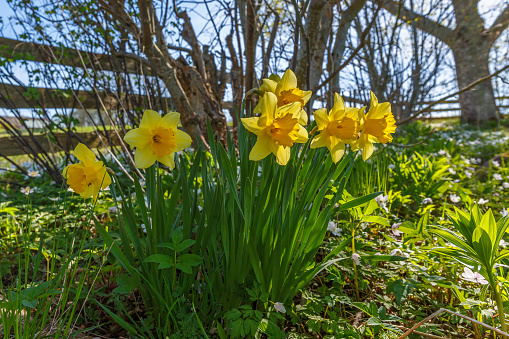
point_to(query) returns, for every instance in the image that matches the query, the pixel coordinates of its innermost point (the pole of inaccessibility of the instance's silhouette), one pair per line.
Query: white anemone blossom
(356, 259)
(382, 201)
(334, 229)
(482, 201)
(474, 277)
(27, 190)
(454, 198)
(279, 307)
(426, 201)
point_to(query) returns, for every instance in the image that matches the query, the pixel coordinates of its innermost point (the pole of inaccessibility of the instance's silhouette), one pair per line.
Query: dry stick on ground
(464, 89)
(407, 333)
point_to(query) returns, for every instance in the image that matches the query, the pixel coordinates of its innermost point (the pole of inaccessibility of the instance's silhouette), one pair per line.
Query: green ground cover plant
(374, 247)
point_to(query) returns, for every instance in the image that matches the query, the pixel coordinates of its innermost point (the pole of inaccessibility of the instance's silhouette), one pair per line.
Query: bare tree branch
(464, 89)
(422, 22)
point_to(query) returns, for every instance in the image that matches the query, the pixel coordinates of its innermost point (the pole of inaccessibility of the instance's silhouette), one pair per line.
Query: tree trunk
(478, 104)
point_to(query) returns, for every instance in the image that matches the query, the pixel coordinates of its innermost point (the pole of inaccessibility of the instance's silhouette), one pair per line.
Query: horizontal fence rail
(10, 146)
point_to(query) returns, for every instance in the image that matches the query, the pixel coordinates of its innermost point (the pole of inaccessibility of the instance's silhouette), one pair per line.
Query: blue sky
(489, 9)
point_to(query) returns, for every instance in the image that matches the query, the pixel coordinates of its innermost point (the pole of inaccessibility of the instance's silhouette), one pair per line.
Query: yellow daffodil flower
(88, 177)
(339, 127)
(287, 92)
(277, 129)
(376, 126)
(157, 138)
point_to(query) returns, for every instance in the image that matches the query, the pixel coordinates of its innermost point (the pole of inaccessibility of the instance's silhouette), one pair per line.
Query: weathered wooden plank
(12, 96)
(15, 49)
(10, 147)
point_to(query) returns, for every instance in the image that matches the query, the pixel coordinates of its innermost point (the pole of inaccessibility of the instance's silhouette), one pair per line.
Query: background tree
(470, 42)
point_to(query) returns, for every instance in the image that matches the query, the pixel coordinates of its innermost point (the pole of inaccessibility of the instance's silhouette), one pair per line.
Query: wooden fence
(21, 97)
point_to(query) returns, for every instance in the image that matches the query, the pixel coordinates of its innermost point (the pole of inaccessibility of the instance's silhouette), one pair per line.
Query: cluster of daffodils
(279, 124)
(156, 139)
(281, 118)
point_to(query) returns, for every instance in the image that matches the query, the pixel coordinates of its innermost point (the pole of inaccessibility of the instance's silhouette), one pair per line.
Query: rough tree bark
(470, 42)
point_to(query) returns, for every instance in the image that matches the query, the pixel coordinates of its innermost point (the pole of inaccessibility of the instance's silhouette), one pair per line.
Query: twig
(421, 333)
(456, 314)
(354, 53)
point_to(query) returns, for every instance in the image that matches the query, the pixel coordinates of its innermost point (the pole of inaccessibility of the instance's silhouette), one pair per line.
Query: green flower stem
(356, 281)
(498, 299)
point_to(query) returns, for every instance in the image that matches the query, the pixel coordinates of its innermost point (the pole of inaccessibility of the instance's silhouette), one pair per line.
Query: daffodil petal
(306, 96)
(321, 140)
(321, 118)
(374, 99)
(106, 179)
(182, 139)
(261, 149)
(303, 118)
(88, 192)
(138, 137)
(337, 152)
(170, 120)
(289, 80)
(168, 160)
(83, 153)
(268, 105)
(367, 151)
(251, 124)
(283, 155)
(268, 85)
(338, 110)
(150, 119)
(65, 171)
(303, 136)
(144, 157)
(294, 109)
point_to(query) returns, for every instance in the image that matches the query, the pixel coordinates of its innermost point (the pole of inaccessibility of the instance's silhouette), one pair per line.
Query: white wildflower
(54, 198)
(279, 307)
(27, 190)
(426, 201)
(495, 163)
(112, 209)
(474, 277)
(504, 212)
(482, 201)
(382, 200)
(34, 174)
(455, 198)
(396, 251)
(356, 259)
(498, 177)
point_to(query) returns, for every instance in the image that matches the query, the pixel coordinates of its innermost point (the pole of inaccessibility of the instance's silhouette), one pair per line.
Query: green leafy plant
(475, 244)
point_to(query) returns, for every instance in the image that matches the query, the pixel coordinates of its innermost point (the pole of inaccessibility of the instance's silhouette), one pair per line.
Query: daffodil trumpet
(376, 126)
(338, 128)
(287, 91)
(277, 129)
(157, 139)
(88, 177)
